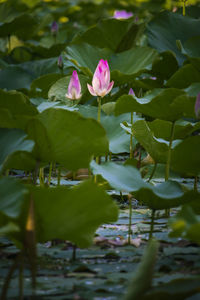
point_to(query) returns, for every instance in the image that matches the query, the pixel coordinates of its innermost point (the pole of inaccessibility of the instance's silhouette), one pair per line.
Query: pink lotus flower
(74, 88)
(197, 106)
(54, 28)
(131, 92)
(122, 14)
(101, 84)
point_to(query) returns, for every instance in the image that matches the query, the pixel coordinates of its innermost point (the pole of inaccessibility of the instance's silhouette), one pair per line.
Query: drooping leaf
(75, 220)
(66, 137)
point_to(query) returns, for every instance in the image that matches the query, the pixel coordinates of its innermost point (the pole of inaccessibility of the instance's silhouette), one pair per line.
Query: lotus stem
(59, 175)
(130, 220)
(184, 2)
(131, 137)
(152, 223)
(41, 176)
(99, 109)
(99, 120)
(169, 152)
(153, 172)
(195, 183)
(74, 253)
(8, 279)
(50, 172)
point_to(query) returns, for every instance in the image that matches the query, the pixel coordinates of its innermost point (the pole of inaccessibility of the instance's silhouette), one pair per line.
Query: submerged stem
(50, 172)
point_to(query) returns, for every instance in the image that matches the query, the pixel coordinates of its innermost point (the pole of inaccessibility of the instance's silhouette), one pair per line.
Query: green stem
(130, 221)
(131, 137)
(41, 176)
(59, 175)
(152, 173)
(152, 224)
(74, 253)
(110, 156)
(99, 109)
(195, 183)
(169, 152)
(184, 1)
(8, 279)
(99, 120)
(50, 172)
(9, 44)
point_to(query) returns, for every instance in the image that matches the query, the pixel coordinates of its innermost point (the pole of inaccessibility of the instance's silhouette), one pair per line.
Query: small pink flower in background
(60, 62)
(101, 84)
(197, 106)
(153, 78)
(131, 92)
(74, 88)
(54, 28)
(122, 14)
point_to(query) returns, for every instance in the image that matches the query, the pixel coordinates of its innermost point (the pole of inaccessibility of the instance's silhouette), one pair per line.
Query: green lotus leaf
(166, 28)
(127, 178)
(124, 66)
(110, 33)
(59, 89)
(184, 77)
(75, 220)
(12, 141)
(12, 196)
(67, 138)
(157, 104)
(20, 76)
(185, 156)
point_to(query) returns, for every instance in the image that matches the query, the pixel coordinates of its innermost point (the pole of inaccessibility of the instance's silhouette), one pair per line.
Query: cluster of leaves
(158, 56)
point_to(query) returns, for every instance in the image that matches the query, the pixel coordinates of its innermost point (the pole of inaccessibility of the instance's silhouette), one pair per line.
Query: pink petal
(91, 90)
(110, 86)
(74, 88)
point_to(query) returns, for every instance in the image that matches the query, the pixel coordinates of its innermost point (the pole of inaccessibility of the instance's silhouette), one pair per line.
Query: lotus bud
(131, 92)
(122, 14)
(197, 106)
(54, 28)
(74, 88)
(101, 84)
(60, 62)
